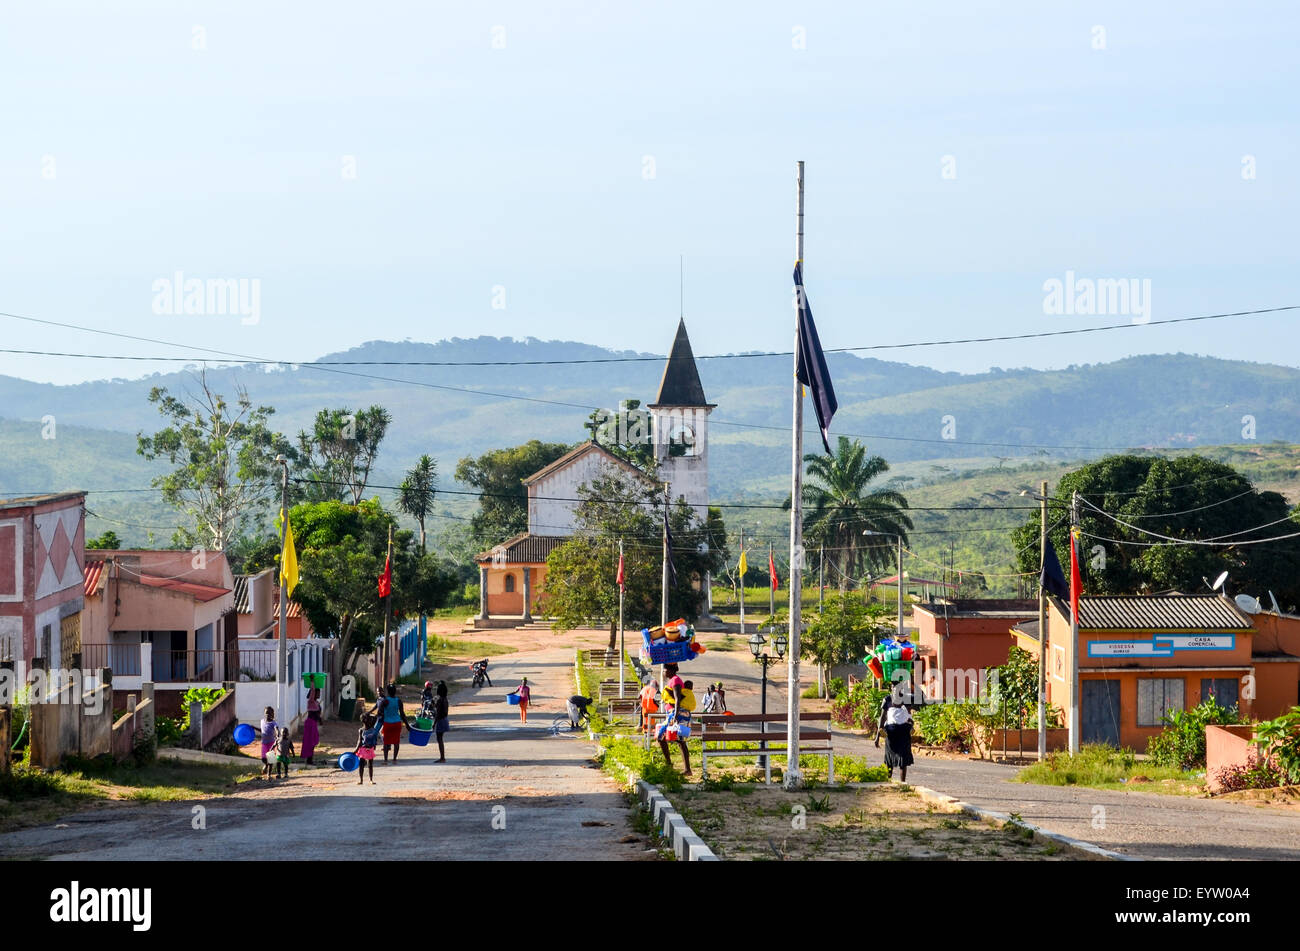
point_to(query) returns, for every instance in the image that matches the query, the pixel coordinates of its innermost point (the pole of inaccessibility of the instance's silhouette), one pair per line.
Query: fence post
(196, 721)
(146, 661)
(150, 713)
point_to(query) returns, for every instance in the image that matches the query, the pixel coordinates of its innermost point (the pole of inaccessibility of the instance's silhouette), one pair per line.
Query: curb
(687, 846)
(1088, 849)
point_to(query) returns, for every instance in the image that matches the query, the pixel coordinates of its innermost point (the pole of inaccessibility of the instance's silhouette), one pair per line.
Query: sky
(429, 170)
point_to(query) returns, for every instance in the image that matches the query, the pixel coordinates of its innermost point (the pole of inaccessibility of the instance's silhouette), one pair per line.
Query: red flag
(620, 571)
(386, 579)
(1076, 580)
(771, 570)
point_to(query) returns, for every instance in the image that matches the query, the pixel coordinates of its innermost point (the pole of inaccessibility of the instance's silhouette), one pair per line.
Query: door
(1100, 712)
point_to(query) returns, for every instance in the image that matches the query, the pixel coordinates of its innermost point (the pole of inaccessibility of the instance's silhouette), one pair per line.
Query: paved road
(552, 803)
(1146, 825)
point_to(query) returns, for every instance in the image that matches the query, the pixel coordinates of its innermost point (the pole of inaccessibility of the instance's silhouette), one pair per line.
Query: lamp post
(756, 643)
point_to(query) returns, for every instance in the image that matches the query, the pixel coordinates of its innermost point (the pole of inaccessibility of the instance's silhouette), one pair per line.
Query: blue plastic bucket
(419, 737)
(512, 699)
(349, 762)
(244, 734)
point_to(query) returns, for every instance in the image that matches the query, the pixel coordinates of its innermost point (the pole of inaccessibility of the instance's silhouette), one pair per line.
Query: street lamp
(780, 642)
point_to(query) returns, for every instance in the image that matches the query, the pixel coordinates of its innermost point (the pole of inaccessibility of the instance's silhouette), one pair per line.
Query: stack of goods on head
(890, 656)
(671, 643)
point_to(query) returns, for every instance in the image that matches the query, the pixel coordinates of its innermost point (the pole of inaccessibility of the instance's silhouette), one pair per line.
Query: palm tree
(415, 494)
(838, 506)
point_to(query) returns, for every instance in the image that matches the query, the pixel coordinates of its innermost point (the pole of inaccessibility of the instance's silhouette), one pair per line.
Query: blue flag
(1052, 577)
(810, 365)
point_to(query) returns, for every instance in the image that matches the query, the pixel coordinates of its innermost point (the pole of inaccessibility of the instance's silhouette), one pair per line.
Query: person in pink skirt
(367, 737)
(311, 726)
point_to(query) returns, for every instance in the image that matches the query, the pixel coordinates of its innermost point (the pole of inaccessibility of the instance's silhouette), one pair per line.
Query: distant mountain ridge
(905, 412)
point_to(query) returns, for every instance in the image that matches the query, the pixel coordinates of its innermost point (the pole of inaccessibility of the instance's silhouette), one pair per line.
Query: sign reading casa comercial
(1162, 645)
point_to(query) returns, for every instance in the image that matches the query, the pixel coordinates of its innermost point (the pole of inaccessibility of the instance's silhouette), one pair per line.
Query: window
(1224, 690)
(1157, 697)
(510, 584)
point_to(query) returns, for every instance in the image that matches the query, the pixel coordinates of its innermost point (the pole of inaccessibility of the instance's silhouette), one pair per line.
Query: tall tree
(225, 462)
(499, 475)
(415, 494)
(627, 432)
(339, 452)
(839, 505)
(341, 554)
(1189, 497)
(580, 574)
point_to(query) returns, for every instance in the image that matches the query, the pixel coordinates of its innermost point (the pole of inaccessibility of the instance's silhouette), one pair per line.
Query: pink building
(42, 552)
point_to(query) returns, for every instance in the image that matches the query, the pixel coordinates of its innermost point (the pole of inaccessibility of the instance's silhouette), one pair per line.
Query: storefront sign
(1162, 645)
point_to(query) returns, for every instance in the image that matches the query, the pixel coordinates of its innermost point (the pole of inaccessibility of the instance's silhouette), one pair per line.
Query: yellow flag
(288, 561)
(744, 563)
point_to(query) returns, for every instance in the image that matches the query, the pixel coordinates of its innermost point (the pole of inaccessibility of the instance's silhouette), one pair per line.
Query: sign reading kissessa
(1162, 645)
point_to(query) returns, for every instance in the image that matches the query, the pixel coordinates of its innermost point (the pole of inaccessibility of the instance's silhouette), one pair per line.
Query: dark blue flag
(810, 365)
(1052, 577)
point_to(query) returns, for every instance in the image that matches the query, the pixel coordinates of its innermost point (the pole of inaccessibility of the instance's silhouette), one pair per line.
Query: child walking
(270, 732)
(283, 753)
(367, 738)
(524, 693)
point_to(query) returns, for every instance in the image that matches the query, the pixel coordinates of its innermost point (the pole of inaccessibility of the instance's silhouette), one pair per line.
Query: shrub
(1181, 744)
(859, 707)
(950, 726)
(1255, 774)
(835, 687)
(1280, 739)
(169, 731)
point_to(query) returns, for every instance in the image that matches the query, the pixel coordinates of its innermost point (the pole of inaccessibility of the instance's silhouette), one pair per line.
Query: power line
(640, 358)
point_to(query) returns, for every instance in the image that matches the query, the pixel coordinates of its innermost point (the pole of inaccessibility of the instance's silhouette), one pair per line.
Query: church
(512, 575)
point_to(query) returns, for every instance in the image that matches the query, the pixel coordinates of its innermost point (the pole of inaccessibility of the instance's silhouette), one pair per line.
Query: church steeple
(681, 385)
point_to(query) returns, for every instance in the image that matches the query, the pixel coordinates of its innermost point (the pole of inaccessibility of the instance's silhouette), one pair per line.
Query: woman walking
(897, 722)
(392, 718)
(524, 693)
(311, 726)
(440, 724)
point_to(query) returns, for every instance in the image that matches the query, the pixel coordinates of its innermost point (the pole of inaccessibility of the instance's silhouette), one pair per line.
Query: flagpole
(792, 778)
(1074, 634)
(742, 583)
(1042, 628)
(282, 648)
(622, 657)
(771, 589)
(388, 611)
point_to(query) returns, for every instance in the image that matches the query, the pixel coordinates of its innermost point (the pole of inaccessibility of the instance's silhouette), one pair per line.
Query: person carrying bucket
(393, 716)
(678, 725)
(524, 692)
(270, 731)
(440, 724)
(311, 726)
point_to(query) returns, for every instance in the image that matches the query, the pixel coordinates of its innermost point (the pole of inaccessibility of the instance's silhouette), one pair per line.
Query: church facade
(512, 574)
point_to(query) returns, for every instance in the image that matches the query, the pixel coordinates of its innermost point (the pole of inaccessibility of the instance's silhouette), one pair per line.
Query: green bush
(950, 726)
(1181, 745)
(1280, 740)
(835, 687)
(169, 731)
(859, 707)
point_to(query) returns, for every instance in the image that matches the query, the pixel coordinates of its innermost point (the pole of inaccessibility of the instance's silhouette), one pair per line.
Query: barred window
(1156, 697)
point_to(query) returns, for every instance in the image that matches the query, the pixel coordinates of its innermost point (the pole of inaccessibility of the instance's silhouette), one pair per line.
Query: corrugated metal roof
(199, 592)
(1185, 612)
(93, 571)
(525, 549)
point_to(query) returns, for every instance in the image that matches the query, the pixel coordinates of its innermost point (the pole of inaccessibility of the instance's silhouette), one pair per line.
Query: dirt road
(508, 791)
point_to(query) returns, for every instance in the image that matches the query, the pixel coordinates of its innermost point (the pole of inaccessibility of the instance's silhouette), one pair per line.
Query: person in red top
(672, 696)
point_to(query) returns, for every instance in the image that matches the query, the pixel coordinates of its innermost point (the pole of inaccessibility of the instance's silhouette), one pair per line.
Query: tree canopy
(224, 456)
(1190, 497)
(337, 456)
(580, 578)
(499, 475)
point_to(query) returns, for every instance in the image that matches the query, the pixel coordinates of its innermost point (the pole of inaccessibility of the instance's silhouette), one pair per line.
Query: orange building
(1140, 657)
(962, 637)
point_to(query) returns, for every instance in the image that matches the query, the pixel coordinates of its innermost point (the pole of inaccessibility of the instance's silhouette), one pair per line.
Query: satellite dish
(1248, 604)
(1218, 582)
(703, 548)
(1276, 609)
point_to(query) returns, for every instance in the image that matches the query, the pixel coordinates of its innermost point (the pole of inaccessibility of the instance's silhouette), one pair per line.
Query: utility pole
(821, 576)
(1074, 634)
(663, 607)
(900, 586)
(771, 591)
(622, 663)
(1042, 629)
(282, 648)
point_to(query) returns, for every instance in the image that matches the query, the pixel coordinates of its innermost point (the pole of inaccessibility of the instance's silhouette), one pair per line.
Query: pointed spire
(681, 385)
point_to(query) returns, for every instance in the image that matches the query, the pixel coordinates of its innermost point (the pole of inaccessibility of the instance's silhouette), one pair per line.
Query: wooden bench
(767, 728)
(605, 658)
(623, 707)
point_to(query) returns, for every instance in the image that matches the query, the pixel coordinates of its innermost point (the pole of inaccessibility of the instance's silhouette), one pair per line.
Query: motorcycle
(480, 673)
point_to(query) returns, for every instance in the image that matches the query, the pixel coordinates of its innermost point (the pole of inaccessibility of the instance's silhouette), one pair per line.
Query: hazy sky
(395, 170)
